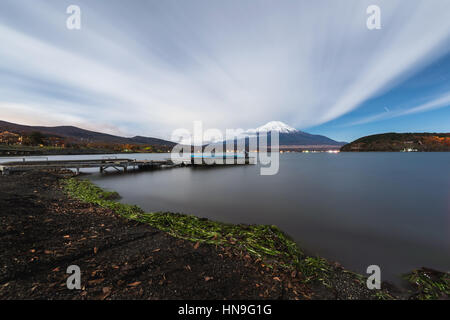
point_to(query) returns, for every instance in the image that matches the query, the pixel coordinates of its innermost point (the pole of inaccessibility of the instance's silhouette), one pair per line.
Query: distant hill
(303, 138)
(401, 142)
(81, 135)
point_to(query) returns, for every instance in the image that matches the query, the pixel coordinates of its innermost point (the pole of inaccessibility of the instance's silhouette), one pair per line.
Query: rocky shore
(50, 220)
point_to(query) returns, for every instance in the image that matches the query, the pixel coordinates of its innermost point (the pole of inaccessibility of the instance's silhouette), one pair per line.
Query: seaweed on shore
(266, 242)
(262, 241)
(429, 284)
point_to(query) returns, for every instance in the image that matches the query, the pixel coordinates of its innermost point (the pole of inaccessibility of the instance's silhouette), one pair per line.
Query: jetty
(121, 165)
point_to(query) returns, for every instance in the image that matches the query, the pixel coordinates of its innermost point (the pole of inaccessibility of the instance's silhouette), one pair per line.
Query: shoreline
(274, 266)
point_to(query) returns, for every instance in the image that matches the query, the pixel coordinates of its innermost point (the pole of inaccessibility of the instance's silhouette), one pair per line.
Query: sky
(149, 67)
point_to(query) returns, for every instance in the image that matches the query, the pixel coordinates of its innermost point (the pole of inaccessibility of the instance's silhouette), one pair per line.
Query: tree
(36, 138)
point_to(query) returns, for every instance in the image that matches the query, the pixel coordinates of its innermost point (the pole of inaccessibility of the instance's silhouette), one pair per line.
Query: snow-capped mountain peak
(277, 126)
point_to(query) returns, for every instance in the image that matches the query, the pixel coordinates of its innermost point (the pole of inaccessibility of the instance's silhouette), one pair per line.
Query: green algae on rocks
(266, 242)
(262, 241)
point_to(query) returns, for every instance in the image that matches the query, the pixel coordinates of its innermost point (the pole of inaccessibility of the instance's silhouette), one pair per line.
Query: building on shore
(7, 137)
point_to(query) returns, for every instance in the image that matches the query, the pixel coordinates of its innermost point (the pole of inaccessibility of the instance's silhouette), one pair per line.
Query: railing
(24, 159)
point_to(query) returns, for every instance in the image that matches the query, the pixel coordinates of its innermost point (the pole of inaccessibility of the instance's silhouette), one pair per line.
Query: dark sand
(43, 232)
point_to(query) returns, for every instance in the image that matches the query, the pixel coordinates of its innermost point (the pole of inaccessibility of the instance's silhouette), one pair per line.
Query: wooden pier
(122, 165)
(103, 164)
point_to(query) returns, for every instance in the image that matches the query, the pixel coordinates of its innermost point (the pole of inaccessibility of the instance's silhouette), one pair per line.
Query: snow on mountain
(291, 136)
(275, 126)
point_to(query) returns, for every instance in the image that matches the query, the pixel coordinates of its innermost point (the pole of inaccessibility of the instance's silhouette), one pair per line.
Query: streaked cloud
(148, 67)
(440, 102)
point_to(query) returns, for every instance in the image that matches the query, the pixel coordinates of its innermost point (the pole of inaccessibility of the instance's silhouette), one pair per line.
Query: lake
(360, 209)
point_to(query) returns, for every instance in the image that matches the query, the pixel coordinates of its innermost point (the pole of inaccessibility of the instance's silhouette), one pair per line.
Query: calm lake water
(388, 209)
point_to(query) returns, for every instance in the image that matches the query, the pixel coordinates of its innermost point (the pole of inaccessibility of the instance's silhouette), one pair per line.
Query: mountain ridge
(81, 135)
(392, 142)
(288, 136)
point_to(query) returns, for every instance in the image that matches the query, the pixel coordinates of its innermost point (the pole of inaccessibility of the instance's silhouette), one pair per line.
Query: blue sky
(420, 103)
(150, 67)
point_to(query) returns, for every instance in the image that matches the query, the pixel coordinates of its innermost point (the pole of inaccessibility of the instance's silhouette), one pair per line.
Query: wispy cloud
(148, 67)
(440, 102)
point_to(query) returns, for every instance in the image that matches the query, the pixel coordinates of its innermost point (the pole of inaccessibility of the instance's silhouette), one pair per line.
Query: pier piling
(104, 164)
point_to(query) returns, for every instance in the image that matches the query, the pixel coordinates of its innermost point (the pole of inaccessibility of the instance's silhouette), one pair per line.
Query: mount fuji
(290, 137)
(279, 126)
